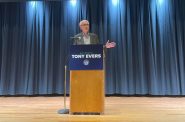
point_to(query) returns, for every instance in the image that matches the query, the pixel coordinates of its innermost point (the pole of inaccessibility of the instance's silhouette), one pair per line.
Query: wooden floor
(117, 109)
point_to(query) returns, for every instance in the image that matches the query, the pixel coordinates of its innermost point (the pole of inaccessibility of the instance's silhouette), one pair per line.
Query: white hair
(81, 22)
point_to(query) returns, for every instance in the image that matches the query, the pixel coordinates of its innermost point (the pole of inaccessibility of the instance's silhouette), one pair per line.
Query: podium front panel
(87, 91)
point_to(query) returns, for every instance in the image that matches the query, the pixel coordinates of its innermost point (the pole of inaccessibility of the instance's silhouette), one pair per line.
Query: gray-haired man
(85, 38)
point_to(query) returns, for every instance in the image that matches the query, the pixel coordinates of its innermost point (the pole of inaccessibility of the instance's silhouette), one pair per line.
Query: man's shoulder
(80, 34)
(77, 35)
(92, 34)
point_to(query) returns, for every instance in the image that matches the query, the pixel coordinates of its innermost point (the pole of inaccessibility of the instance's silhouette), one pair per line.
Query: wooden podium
(86, 79)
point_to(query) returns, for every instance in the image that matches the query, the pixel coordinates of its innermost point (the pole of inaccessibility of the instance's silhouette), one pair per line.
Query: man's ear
(80, 27)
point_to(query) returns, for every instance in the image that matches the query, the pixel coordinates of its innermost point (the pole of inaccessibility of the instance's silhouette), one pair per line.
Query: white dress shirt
(86, 39)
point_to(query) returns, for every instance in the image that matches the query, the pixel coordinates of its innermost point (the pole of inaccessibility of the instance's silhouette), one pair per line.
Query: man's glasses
(85, 25)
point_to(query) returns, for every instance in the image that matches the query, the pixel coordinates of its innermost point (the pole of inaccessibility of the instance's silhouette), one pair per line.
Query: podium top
(86, 57)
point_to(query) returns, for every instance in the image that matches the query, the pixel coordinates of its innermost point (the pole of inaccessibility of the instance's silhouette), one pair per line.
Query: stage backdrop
(149, 57)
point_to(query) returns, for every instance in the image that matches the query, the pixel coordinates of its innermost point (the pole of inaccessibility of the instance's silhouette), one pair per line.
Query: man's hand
(110, 44)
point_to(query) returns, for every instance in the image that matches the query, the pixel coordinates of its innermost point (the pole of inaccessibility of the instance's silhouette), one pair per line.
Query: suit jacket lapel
(82, 39)
(91, 38)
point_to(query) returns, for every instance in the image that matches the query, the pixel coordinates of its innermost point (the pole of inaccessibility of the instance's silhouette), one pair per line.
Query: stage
(117, 109)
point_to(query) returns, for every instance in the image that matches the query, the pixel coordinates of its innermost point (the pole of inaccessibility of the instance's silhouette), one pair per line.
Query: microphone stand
(65, 110)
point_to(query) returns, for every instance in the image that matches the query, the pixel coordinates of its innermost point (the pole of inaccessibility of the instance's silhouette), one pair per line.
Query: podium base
(85, 113)
(63, 111)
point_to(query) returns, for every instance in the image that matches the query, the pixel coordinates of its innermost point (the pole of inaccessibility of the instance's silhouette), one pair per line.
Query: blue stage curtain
(149, 58)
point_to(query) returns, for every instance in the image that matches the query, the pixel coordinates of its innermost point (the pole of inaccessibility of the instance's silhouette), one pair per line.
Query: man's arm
(96, 39)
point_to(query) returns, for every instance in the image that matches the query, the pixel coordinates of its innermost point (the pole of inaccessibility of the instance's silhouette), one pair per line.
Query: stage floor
(117, 109)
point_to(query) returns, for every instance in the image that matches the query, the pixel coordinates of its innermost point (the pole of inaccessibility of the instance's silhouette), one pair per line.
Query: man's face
(84, 27)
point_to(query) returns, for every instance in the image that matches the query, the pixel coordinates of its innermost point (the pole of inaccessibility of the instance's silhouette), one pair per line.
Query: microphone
(76, 38)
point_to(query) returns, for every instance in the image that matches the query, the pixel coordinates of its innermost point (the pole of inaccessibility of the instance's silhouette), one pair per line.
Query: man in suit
(85, 38)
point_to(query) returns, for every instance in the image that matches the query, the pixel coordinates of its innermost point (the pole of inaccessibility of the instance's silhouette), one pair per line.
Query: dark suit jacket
(93, 39)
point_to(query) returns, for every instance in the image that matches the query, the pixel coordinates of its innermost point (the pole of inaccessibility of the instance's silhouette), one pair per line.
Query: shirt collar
(85, 34)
